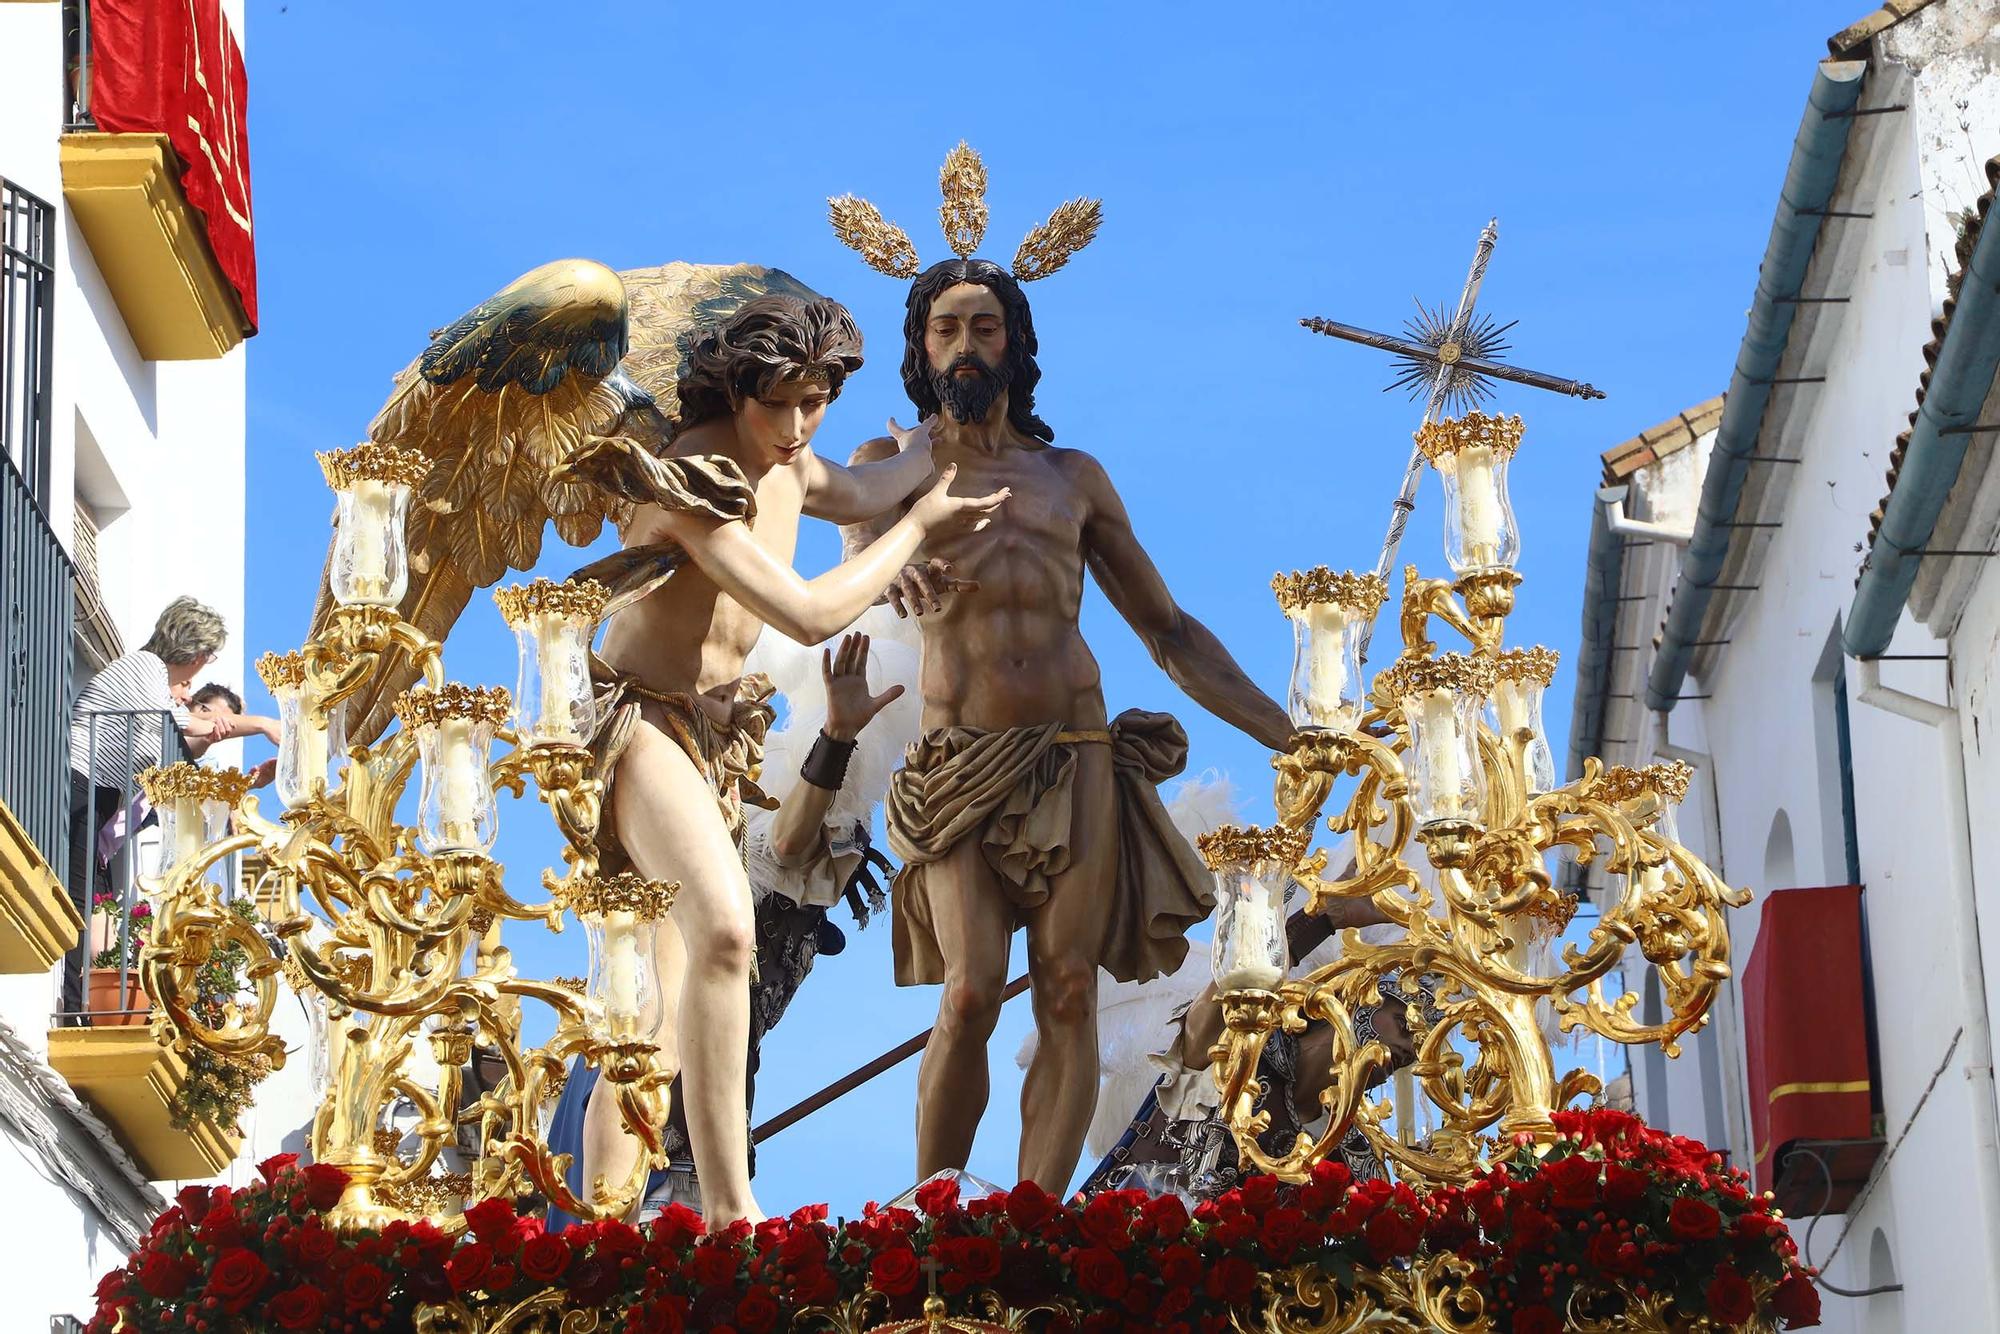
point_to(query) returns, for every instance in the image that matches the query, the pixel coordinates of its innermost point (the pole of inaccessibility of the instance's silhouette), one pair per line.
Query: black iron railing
(34, 668)
(27, 334)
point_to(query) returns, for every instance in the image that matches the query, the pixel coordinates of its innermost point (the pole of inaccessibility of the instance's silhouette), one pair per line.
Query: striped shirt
(122, 716)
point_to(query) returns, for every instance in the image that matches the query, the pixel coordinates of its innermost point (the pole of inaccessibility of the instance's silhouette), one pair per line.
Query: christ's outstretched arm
(1183, 647)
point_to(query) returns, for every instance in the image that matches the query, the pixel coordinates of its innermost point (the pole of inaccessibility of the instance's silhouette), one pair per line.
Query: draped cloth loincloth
(1013, 790)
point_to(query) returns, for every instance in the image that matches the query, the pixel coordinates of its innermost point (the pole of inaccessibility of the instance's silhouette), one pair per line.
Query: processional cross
(1448, 360)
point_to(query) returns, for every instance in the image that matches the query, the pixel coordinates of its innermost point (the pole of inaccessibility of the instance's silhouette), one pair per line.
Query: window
(27, 345)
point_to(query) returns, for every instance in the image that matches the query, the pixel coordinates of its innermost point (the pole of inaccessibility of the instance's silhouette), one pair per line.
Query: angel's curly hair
(768, 341)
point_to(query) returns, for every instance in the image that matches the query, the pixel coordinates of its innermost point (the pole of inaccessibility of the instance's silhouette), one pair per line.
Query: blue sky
(1288, 160)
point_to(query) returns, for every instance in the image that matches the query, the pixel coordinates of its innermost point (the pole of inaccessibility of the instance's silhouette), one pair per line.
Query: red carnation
(325, 1184)
(1029, 1206)
(1693, 1219)
(544, 1257)
(272, 1166)
(1573, 1182)
(467, 1269)
(1729, 1298)
(297, 1308)
(364, 1287)
(163, 1276)
(1231, 1280)
(237, 1277)
(938, 1196)
(1180, 1266)
(756, 1313)
(1101, 1273)
(490, 1219)
(1537, 1320)
(894, 1271)
(1796, 1301)
(711, 1266)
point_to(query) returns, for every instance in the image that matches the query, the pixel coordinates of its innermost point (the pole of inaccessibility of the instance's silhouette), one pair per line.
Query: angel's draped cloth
(1013, 791)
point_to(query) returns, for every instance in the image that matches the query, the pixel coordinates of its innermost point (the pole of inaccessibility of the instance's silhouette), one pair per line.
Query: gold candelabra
(394, 930)
(1453, 818)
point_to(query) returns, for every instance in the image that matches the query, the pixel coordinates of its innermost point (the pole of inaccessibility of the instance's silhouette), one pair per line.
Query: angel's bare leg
(670, 826)
(608, 1150)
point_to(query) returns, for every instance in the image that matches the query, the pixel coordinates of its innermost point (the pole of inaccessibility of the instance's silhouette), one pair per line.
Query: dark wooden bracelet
(826, 762)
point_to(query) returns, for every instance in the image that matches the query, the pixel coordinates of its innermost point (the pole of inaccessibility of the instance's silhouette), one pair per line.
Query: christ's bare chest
(1032, 551)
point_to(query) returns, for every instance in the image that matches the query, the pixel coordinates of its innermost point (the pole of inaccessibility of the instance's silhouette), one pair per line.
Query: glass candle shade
(553, 625)
(1442, 699)
(310, 749)
(1330, 614)
(1471, 454)
(454, 726)
(1650, 794)
(621, 917)
(369, 565)
(1516, 713)
(1252, 869)
(194, 806)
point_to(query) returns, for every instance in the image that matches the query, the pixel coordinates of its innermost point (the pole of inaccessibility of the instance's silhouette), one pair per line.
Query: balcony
(101, 1038)
(124, 180)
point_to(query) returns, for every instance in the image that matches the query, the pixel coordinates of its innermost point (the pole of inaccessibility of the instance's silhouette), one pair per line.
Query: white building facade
(1824, 653)
(122, 488)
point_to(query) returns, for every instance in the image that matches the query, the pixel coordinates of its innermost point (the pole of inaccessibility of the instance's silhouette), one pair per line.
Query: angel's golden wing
(508, 392)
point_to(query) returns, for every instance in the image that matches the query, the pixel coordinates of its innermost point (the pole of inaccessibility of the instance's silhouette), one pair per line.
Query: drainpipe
(1613, 498)
(1978, 1043)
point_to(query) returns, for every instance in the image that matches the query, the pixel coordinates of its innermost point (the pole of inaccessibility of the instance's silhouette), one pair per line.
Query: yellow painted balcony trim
(150, 245)
(130, 1080)
(38, 924)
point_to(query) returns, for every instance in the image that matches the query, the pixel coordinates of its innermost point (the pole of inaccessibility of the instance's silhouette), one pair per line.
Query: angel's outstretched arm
(812, 610)
(897, 466)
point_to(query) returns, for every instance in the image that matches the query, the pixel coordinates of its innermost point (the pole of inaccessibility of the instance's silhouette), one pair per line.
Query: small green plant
(136, 924)
(219, 1088)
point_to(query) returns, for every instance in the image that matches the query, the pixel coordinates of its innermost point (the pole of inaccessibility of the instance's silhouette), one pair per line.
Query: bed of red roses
(1614, 1212)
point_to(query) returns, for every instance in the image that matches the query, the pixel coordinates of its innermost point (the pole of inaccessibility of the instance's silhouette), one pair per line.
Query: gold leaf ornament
(882, 245)
(962, 181)
(1048, 247)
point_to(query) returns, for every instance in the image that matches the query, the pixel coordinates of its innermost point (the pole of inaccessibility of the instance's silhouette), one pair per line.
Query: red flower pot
(109, 1007)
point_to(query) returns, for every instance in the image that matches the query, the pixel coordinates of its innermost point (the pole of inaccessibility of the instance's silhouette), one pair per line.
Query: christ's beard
(968, 398)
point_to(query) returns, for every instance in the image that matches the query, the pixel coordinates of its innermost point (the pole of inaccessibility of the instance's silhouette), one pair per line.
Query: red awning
(173, 67)
(1806, 1029)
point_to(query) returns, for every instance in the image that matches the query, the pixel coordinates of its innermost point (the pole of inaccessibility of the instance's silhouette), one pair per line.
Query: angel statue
(681, 402)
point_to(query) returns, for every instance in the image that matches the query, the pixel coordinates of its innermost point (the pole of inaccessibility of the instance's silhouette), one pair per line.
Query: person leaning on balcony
(106, 753)
(218, 703)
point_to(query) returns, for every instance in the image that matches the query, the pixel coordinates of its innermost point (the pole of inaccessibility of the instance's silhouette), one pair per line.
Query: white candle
(1326, 665)
(1406, 1104)
(1251, 950)
(1442, 764)
(1478, 505)
(621, 972)
(370, 510)
(458, 783)
(312, 744)
(189, 831)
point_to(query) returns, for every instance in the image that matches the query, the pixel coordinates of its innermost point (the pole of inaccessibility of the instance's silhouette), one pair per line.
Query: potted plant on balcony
(117, 933)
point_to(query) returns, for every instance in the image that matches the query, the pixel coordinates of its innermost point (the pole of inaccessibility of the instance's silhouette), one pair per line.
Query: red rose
(1796, 1301)
(756, 1313)
(1165, 1216)
(1537, 1320)
(1233, 1231)
(297, 1308)
(1029, 1206)
(938, 1196)
(1573, 1182)
(1729, 1298)
(544, 1257)
(711, 1266)
(1100, 1273)
(364, 1287)
(272, 1166)
(1231, 1280)
(221, 1228)
(1285, 1230)
(192, 1201)
(1390, 1234)
(1260, 1193)
(490, 1219)
(1624, 1186)
(976, 1259)
(1107, 1222)
(237, 1277)
(163, 1276)
(467, 1269)
(325, 1184)
(894, 1271)
(677, 1226)
(1180, 1266)
(1613, 1255)
(1691, 1219)
(590, 1281)
(1533, 1230)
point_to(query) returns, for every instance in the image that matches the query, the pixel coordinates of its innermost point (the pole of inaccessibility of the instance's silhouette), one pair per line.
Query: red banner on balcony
(173, 67)
(1806, 1028)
